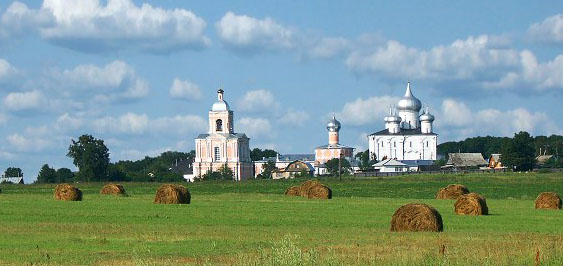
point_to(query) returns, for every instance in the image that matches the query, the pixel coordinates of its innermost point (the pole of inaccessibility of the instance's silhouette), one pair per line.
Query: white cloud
(180, 125)
(26, 144)
(139, 124)
(136, 154)
(128, 123)
(262, 101)
(248, 33)
(550, 30)
(113, 82)
(366, 111)
(91, 26)
(23, 101)
(456, 120)
(6, 70)
(255, 127)
(183, 89)
(294, 118)
(328, 47)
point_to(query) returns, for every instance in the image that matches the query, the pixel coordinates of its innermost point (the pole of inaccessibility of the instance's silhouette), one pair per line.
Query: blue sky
(142, 75)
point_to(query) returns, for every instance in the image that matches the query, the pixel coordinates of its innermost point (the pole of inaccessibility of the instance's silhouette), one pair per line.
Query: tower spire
(408, 93)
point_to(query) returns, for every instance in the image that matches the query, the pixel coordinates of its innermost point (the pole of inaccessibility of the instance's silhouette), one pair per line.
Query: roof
(466, 159)
(389, 162)
(414, 163)
(15, 180)
(403, 132)
(226, 135)
(543, 158)
(333, 146)
(496, 157)
(296, 157)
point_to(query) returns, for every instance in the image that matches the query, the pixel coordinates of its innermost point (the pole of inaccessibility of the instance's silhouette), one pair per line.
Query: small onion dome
(409, 102)
(220, 105)
(393, 119)
(333, 125)
(426, 117)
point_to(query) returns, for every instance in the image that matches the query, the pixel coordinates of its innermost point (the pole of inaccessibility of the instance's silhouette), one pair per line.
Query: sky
(142, 75)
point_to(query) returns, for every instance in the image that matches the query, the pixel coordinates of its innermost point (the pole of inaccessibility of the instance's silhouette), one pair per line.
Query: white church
(408, 135)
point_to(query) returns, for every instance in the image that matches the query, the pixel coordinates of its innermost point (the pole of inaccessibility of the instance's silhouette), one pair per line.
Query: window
(217, 153)
(219, 125)
(427, 144)
(395, 144)
(410, 144)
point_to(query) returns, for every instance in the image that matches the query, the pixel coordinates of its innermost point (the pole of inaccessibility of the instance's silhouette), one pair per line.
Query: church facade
(408, 134)
(221, 146)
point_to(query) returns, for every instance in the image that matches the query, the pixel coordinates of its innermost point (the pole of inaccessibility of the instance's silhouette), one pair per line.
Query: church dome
(220, 104)
(392, 117)
(333, 125)
(426, 117)
(409, 102)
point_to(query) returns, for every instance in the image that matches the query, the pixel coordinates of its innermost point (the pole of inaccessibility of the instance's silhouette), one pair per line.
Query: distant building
(282, 161)
(542, 159)
(407, 135)
(11, 180)
(333, 149)
(495, 161)
(293, 169)
(390, 166)
(221, 145)
(465, 161)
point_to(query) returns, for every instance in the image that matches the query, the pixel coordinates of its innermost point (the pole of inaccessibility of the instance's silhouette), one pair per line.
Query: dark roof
(330, 146)
(296, 157)
(413, 163)
(226, 135)
(466, 159)
(403, 132)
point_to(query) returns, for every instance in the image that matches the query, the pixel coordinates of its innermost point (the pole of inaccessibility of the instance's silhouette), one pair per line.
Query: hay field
(253, 223)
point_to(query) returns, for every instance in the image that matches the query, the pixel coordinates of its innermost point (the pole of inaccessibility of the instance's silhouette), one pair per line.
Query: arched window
(219, 125)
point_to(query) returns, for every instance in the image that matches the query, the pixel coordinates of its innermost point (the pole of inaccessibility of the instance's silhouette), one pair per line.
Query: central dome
(333, 125)
(409, 102)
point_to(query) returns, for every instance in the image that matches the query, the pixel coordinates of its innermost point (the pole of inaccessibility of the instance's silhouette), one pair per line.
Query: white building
(407, 135)
(390, 166)
(222, 146)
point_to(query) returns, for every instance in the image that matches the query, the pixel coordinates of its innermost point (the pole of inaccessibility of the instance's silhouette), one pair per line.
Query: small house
(390, 166)
(495, 161)
(293, 169)
(465, 161)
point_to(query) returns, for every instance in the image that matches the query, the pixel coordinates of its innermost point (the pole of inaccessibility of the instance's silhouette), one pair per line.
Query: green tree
(64, 175)
(333, 165)
(91, 156)
(13, 172)
(518, 152)
(47, 175)
(365, 160)
(268, 168)
(257, 154)
(223, 173)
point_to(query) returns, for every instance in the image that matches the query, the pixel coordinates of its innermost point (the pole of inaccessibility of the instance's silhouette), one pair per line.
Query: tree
(334, 164)
(366, 161)
(47, 175)
(91, 156)
(64, 175)
(223, 173)
(518, 152)
(13, 172)
(268, 168)
(257, 154)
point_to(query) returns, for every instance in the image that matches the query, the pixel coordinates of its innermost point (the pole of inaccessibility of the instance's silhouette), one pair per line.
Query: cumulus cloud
(186, 90)
(294, 118)
(6, 70)
(327, 47)
(251, 34)
(138, 124)
(456, 120)
(549, 31)
(128, 123)
(91, 26)
(366, 111)
(255, 127)
(28, 144)
(115, 81)
(24, 101)
(262, 101)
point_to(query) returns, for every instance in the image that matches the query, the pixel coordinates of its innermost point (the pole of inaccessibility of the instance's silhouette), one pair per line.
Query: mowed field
(253, 223)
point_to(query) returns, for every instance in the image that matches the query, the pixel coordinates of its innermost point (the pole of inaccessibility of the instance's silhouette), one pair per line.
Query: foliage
(268, 168)
(91, 156)
(64, 175)
(366, 161)
(554, 162)
(257, 154)
(223, 173)
(333, 165)
(303, 174)
(518, 152)
(47, 175)
(13, 172)
(168, 166)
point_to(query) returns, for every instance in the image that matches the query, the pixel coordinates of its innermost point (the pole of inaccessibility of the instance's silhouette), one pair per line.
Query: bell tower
(221, 116)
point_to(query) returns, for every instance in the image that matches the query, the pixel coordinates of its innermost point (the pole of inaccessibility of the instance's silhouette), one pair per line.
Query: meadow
(253, 223)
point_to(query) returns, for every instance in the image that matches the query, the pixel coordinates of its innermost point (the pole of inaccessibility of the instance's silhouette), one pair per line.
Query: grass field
(253, 223)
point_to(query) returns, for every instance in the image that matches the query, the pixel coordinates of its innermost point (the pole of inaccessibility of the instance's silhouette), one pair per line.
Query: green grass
(252, 223)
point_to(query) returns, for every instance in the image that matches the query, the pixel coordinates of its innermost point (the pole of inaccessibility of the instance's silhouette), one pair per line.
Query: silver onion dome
(426, 116)
(220, 104)
(409, 102)
(392, 117)
(333, 125)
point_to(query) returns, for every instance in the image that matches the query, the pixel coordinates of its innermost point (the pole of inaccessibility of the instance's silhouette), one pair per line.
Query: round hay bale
(307, 185)
(67, 192)
(319, 191)
(172, 194)
(471, 204)
(548, 200)
(113, 189)
(416, 217)
(452, 191)
(293, 191)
